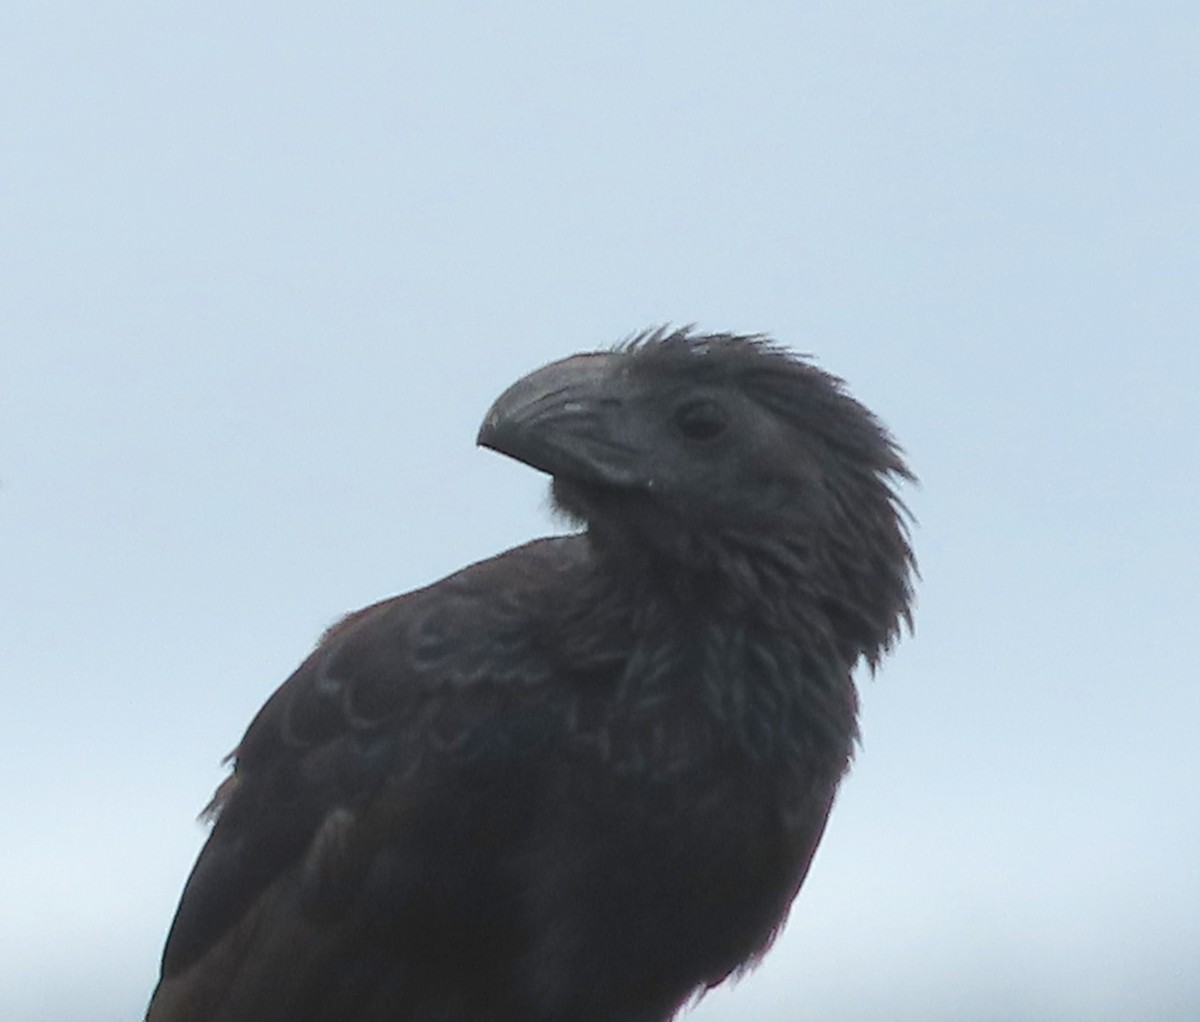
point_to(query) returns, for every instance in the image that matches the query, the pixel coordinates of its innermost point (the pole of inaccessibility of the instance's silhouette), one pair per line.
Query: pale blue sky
(263, 268)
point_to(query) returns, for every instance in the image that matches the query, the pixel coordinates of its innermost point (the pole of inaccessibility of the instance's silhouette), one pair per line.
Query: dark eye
(701, 420)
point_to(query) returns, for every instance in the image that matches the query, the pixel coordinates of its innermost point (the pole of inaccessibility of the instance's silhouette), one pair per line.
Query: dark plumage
(584, 779)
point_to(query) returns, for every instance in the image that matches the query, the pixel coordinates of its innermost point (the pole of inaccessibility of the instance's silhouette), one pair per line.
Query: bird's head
(722, 453)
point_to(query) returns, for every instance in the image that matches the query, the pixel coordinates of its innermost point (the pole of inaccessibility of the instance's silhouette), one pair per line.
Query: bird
(582, 780)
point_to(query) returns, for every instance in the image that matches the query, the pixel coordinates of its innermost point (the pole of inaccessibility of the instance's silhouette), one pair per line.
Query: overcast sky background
(264, 267)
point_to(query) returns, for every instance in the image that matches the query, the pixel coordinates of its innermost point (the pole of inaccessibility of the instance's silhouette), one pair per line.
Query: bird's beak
(566, 419)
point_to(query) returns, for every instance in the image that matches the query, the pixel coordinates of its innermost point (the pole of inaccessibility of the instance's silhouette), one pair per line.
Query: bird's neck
(736, 650)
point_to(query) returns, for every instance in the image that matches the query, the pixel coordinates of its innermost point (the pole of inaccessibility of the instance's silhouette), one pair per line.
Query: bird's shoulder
(448, 685)
(487, 628)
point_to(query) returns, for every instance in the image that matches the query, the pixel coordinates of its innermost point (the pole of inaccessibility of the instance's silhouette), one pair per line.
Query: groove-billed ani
(583, 780)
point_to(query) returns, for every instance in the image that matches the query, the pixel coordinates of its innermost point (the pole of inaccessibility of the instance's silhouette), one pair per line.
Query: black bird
(583, 780)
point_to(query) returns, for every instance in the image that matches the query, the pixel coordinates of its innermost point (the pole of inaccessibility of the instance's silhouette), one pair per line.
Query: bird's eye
(701, 420)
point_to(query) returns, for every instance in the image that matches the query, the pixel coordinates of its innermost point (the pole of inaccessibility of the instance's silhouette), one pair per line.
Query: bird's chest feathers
(694, 796)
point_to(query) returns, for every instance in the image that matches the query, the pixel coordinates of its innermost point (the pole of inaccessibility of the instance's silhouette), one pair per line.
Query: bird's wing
(420, 707)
